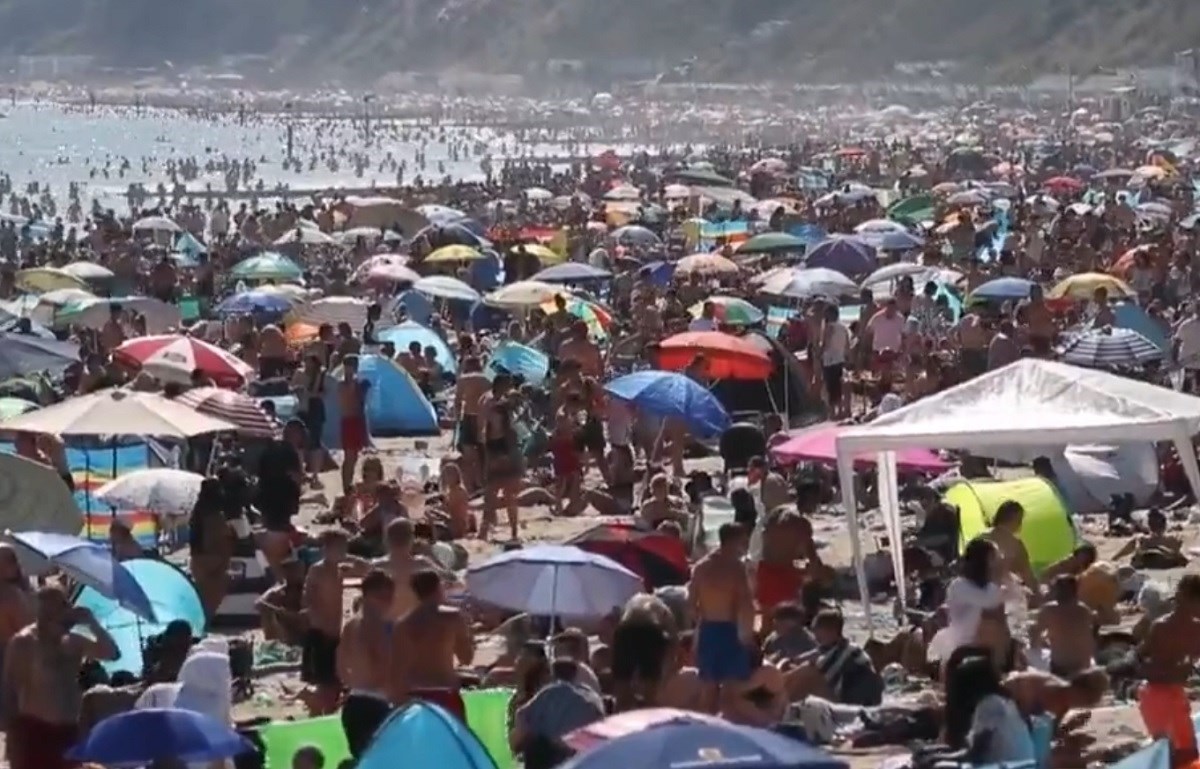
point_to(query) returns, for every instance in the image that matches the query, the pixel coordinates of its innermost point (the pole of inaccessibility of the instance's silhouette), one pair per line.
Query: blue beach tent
(424, 736)
(395, 404)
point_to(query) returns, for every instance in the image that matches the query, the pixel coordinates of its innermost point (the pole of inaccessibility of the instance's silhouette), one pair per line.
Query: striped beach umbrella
(234, 407)
(1109, 348)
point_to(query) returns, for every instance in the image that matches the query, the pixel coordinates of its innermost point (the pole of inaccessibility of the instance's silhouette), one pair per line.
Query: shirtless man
(363, 662)
(1068, 628)
(322, 603)
(41, 693)
(723, 604)
(16, 600)
(660, 506)
(1005, 531)
(577, 347)
(426, 645)
(1168, 655)
(401, 563)
(973, 340)
(1158, 549)
(352, 399)
(469, 390)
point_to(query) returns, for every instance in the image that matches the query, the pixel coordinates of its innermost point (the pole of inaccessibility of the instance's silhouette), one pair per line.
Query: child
(308, 757)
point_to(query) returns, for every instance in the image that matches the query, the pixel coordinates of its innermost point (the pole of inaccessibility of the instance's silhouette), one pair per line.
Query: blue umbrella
(404, 334)
(686, 743)
(572, 272)
(140, 737)
(635, 235)
(254, 303)
(517, 359)
(848, 254)
(667, 394)
(1003, 289)
(21, 354)
(451, 234)
(892, 241)
(91, 564)
(17, 324)
(1109, 347)
(1129, 315)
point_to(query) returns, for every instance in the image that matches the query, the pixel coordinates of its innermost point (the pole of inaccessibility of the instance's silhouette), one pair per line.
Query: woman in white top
(204, 685)
(835, 345)
(971, 596)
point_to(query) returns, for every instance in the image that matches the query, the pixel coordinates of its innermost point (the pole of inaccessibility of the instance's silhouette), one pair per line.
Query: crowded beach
(874, 449)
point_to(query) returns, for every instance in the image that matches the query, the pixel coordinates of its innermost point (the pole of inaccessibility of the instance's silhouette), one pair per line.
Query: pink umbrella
(624, 724)
(819, 444)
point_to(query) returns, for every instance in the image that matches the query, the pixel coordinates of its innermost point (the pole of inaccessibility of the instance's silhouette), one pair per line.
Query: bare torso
(426, 647)
(45, 676)
(719, 592)
(363, 654)
(323, 598)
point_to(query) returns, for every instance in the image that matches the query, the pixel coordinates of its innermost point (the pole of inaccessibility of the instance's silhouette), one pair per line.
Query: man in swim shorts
(1167, 656)
(352, 399)
(723, 604)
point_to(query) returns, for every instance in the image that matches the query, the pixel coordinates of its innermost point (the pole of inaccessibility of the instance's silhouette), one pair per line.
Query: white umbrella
(160, 490)
(118, 412)
(879, 227)
(333, 310)
(369, 234)
(156, 224)
(305, 236)
(88, 271)
(623, 192)
(523, 293)
(806, 283)
(553, 581)
(538, 194)
(96, 311)
(445, 287)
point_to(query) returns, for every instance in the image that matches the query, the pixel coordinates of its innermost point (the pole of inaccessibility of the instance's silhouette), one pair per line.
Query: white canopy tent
(1027, 403)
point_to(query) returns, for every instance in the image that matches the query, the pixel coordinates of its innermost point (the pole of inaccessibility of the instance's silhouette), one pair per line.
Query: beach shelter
(395, 404)
(1027, 403)
(424, 736)
(1046, 529)
(171, 594)
(403, 334)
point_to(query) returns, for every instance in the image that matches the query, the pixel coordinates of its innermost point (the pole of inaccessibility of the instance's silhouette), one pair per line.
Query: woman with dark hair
(210, 542)
(982, 722)
(974, 605)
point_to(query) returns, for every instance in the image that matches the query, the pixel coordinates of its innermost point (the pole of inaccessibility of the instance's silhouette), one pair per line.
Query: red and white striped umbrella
(242, 410)
(173, 358)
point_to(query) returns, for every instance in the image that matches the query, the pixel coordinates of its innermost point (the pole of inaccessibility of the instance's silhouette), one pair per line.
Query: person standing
(723, 604)
(428, 644)
(363, 662)
(352, 399)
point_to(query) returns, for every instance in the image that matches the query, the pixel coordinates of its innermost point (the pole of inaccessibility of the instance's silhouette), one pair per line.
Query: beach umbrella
(623, 724)
(1114, 173)
(1063, 185)
(446, 287)
(544, 254)
(700, 174)
(289, 291)
(1110, 347)
(666, 394)
(967, 198)
(918, 208)
(635, 235)
(88, 271)
(304, 236)
(572, 272)
(156, 224)
(368, 234)
(893, 272)
(598, 319)
(848, 254)
(403, 335)
(522, 294)
(40, 280)
(243, 412)
(623, 192)
(159, 490)
(21, 354)
(118, 412)
(879, 227)
(453, 253)
(553, 581)
(725, 356)
(378, 260)
(87, 563)
(1003, 289)
(811, 282)
(333, 310)
(771, 243)
(706, 264)
(819, 444)
(1130, 315)
(439, 214)
(173, 358)
(392, 272)
(254, 303)
(12, 407)
(695, 743)
(892, 241)
(96, 311)
(1084, 285)
(730, 310)
(267, 266)
(455, 233)
(138, 738)
(537, 194)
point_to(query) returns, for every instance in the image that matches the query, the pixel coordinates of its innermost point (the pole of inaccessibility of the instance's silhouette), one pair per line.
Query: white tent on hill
(1027, 403)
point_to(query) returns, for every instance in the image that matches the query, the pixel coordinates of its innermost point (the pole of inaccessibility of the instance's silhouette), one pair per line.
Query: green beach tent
(1047, 530)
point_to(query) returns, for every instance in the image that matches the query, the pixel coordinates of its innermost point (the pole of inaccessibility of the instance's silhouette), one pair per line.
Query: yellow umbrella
(453, 253)
(39, 280)
(545, 254)
(1084, 285)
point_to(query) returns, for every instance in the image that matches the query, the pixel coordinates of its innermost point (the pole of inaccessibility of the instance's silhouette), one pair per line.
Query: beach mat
(487, 715)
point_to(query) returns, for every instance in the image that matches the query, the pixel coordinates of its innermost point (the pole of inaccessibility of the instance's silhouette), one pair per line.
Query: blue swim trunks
(720, 654)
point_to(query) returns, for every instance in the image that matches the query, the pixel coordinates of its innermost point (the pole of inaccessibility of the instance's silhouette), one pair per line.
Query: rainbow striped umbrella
(598, 320)
(730, 310)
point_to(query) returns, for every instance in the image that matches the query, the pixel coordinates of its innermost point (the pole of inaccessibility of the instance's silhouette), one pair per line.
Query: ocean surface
(57, 145)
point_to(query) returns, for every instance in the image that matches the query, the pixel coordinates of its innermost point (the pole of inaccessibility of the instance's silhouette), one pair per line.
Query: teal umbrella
(771, 243)
(267, 266)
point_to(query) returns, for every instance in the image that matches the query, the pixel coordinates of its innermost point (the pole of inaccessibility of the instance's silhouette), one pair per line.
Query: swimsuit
(363, 713)
(720, 653)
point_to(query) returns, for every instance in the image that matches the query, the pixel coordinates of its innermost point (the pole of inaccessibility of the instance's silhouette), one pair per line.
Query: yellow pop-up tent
(1047, 530)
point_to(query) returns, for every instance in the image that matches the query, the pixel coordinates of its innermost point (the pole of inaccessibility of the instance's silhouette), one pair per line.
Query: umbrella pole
(553, 605)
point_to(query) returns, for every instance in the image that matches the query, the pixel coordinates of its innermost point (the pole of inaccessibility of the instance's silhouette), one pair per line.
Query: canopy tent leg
(845, 464)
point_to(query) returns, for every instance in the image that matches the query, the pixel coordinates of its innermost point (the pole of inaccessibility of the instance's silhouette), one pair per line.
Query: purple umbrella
(848, 254)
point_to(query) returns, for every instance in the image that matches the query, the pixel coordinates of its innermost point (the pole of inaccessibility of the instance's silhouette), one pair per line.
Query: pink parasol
(624, 724)
(819, 444)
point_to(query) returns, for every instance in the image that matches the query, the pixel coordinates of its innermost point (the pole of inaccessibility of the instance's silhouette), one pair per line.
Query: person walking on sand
(41, 693)
(352, 399)
(1167, 656)
(427, 646)
(322, 601)
(723, 604)
(363, 661)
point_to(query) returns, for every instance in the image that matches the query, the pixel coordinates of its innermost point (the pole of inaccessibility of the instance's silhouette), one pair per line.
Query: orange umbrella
(725, 356)
(1125, 263)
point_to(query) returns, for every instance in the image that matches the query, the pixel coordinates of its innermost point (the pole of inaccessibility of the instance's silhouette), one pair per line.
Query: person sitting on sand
(1067, 627)
(453, 515)
(1155, 550)
(281, 609)
(661, 505)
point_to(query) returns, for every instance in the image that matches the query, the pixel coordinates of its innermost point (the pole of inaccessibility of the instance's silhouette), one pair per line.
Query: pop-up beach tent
(1027, 403)
(395, 404)
(1046, 530)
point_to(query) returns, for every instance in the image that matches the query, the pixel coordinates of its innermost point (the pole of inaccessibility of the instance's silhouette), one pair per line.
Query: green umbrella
(771, 243)
(13, 407)
(701, 176)
(918, 208)
(267, 266)
(730, 310)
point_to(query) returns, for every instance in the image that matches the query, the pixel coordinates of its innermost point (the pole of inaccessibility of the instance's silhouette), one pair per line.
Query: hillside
(1002, 41)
